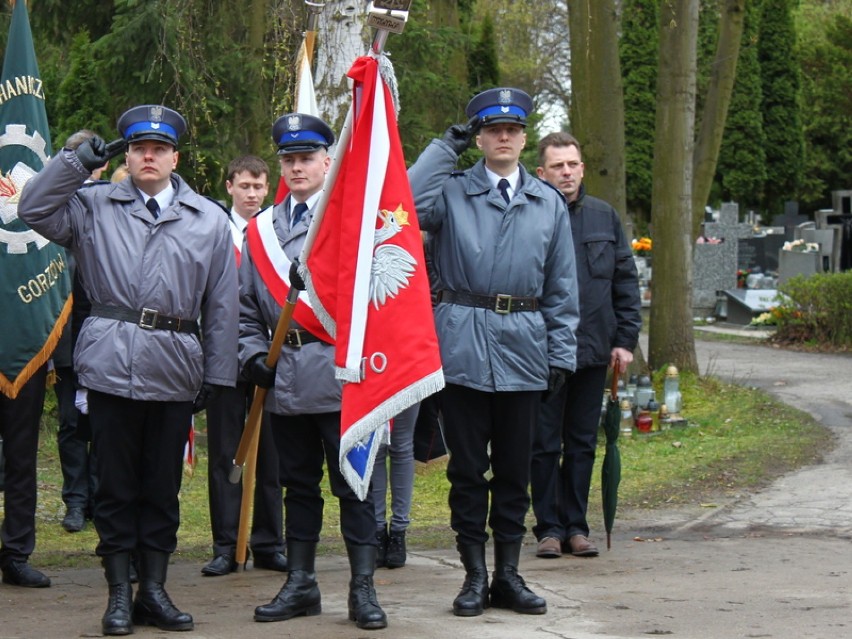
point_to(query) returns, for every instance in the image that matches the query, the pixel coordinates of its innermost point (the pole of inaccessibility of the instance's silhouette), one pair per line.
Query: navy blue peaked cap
(503, 104)
(152, 122)
(301, 133)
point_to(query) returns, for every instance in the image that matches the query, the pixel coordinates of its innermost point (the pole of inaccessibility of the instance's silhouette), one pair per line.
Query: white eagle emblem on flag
(392, 266)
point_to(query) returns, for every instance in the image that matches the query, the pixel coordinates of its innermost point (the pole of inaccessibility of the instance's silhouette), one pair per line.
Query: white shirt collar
(164, 198)
(239, 221)
(512, 178)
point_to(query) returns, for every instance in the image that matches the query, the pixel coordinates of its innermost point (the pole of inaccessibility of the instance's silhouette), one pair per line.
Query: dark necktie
(298, 212)
(503, 185)
(152, 206)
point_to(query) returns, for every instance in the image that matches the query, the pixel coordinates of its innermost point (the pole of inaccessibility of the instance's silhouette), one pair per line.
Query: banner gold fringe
(11, 388)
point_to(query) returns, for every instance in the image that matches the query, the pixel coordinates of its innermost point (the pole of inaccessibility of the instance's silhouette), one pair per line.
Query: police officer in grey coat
(304, 402)
(506, 314)
(158, 266)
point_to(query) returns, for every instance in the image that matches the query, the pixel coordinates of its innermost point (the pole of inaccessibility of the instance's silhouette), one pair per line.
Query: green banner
(35, 283)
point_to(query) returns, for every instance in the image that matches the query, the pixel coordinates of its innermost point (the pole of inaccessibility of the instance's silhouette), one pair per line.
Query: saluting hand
(458, 136)
(94, 152)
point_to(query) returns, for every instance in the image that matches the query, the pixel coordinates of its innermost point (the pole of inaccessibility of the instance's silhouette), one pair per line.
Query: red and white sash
(273, 266)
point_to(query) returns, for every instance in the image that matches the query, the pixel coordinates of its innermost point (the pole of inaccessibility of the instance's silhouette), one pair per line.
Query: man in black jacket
(608, 332)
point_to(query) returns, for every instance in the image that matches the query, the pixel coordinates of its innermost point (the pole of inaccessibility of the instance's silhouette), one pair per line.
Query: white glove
(81, 401)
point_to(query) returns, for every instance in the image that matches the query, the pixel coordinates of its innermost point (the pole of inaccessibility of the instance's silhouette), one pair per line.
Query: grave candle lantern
(671, 391)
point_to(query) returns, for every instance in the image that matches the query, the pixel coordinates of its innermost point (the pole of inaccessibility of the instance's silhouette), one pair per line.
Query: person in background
(399, 456)
(608, 332)
(120, 173)
(304, 397)
(75, 455)
(248, 185)
(19, 428)
(506, 311)
(157, 263)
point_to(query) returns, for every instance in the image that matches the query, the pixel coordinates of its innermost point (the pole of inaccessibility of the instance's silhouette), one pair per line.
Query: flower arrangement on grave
(800, 246)
(769, 318)
(642, 246)
(742, 276)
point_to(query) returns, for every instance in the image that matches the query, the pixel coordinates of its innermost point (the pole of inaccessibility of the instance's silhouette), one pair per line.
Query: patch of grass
(737, 440)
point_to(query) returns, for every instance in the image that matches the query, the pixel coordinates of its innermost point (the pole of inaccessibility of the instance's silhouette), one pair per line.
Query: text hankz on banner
(41, 283)
(21, 85)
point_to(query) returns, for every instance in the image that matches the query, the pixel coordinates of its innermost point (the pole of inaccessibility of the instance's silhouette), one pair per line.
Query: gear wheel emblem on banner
(12, 184)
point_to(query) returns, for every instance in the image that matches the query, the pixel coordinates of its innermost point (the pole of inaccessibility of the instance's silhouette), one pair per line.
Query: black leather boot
(396, 552)
(300, 594)
(473, 596)
(508, 589)
(116, 619)
(364, 608)
(152, 606)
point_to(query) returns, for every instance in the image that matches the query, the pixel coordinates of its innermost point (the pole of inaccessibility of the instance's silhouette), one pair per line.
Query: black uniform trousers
(226, 417)
(139, 446)
(304, 442)
(19, 426)
(472, 420)
(567, 431)
(75, 458)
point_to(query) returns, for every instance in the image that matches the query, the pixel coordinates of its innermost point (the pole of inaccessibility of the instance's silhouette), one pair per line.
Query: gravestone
(792, 263)
(743, 305)
(759, 252)
(714, 266)
(790, 220)
(842, 216)
(825, 239)
(711, 273)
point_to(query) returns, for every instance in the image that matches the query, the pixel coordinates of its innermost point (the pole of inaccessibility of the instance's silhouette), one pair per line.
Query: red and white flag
(306, 102)
(367, 280)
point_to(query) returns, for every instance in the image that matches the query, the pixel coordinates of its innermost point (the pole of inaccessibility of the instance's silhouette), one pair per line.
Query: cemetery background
(739, 261)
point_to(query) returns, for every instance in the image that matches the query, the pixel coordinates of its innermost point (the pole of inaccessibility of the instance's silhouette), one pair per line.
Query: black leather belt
(147, 318)
(298, 338)
(498, 303)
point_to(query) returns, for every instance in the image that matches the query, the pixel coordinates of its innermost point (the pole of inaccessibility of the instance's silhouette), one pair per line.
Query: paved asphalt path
(777, 563)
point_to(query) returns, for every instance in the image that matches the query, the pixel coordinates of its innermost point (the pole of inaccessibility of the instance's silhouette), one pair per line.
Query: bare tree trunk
(671, 339)
(716, 107)
(258, 138)
(597, 106)
(342, 38)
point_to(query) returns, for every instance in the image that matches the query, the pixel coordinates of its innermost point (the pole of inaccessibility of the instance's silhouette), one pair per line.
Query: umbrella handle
(616, 372)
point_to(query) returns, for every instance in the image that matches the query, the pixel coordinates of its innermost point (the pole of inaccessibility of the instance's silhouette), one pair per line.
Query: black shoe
(74, 519)
(221, 565)
(117, 620)
(508, 590)
(270, 561)
(154, 607)
(299, 596)
(395, 557)
(20, 573)
(364, 608)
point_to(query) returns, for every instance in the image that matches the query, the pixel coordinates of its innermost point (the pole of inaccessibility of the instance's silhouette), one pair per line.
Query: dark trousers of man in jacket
(226, 416)
(569, 418)
(19, 428)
